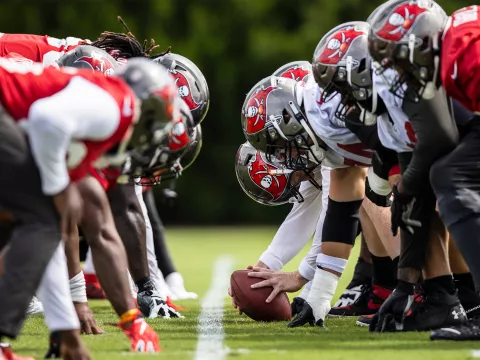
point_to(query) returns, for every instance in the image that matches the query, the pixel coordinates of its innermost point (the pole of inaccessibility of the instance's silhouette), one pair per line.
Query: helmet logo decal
(400, 22)
(97, 62)
(178, 136)
(338, 45)
(256, 109)
(184, 89)
(297, 73)
(261, 174)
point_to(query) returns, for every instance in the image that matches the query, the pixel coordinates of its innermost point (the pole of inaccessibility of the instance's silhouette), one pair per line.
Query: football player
(40, 101)
(433, 52)
(359, 88)
(292, 126)
(301, 221)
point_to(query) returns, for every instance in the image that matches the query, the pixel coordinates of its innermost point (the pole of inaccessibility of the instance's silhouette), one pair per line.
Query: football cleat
(177, 287)
(151, 305)
(35, 307)
(6, 353)
(369, 301)
(430, 317)
(93, 288)
(469, 330)
(350, 295)
(365, 320)
(173, 306)
(470, 301)
(144, 339)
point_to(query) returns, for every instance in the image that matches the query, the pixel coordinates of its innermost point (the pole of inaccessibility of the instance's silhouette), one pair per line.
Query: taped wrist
(341, 221)
(78, 288)
(375, 197)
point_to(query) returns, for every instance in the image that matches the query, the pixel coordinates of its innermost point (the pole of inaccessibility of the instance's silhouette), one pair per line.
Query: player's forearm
(436, 134)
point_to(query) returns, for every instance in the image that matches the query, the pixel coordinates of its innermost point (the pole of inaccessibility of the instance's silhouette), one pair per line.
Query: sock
(384, 270)
(362, 274)
(305, 291)
(405, 287)
(321, 293)
(441, 289)
(145, 284)
(464, 280)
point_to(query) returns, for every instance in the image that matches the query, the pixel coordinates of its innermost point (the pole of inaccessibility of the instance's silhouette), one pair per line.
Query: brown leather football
(252, 301)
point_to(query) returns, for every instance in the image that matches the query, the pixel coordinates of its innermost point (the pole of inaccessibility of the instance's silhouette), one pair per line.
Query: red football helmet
(264, 180)
(405, 34)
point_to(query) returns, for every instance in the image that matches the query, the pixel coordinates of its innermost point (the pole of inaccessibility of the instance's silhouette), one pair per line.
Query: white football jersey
(344, 148)
(394, 129)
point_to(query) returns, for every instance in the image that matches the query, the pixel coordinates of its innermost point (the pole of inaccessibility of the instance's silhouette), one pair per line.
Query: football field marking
(210, 321)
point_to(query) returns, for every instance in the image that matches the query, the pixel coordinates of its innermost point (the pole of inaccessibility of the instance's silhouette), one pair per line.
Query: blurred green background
(234, 42)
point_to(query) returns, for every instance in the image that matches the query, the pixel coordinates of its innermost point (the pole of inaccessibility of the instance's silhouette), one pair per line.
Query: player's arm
(436, 135)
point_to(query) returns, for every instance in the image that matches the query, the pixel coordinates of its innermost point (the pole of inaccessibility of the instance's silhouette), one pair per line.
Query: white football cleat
(35, 307)
(177, 287)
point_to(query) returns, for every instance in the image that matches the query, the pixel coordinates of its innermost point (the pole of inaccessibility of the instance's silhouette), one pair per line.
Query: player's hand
(401, 208)
(280, 281)
(393, 311)
(297, 305)
(87, 321)
(69, 205)
(234, 304)
(167, 312)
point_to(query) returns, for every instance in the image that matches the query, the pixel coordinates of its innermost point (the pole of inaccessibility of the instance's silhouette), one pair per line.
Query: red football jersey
(22, 86)
(43, 49)
(460, 58)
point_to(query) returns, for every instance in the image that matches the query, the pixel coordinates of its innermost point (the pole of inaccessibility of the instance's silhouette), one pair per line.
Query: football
(252, 301)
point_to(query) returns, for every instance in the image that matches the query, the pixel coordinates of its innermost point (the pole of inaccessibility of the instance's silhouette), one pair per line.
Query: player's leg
(456, 182)
(160, 298)
(384, 271)
(347, 189)
(469, 298)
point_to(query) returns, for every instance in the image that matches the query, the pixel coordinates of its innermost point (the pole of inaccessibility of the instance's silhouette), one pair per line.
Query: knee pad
(341, 221)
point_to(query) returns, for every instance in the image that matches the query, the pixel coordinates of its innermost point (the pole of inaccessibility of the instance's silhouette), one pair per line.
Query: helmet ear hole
(286, 116)
(362, 66)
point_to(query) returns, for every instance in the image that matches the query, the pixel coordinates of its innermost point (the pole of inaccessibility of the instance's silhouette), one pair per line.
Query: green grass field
(194, 251)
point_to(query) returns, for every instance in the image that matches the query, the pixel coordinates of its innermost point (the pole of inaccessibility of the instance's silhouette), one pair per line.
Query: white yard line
(210, 327)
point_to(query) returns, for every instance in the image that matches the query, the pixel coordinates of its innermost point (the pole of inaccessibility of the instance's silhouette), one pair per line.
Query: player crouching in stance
(436, 52)
(274, 120)
(82, 114)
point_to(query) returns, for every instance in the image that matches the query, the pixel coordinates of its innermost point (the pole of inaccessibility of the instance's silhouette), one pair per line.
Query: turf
(194, 251)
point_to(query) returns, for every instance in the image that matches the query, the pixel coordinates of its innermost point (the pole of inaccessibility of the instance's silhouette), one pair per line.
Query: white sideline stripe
(210, 327)
(476, 353)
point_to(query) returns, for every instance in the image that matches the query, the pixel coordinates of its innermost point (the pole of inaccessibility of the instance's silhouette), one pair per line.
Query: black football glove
(401, 208)
(305, 316)
(393, 311)
(297, 305)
